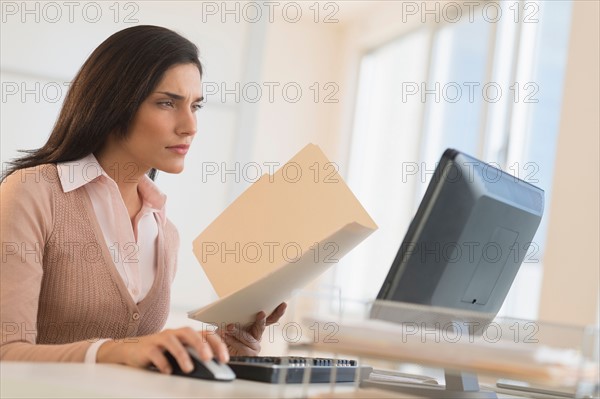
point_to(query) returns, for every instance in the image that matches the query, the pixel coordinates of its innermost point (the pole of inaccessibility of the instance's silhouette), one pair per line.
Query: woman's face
(165, 124)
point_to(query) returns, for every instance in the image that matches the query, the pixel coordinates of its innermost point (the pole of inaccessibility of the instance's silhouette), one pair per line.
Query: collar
(75, 174)
(152, 197)
(78, 173)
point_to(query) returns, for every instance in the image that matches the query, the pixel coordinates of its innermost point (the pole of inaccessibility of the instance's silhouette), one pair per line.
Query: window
(491, 87)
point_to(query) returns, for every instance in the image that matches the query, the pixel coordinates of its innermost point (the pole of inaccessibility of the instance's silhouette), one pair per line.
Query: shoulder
(36, 183)
(27, 202)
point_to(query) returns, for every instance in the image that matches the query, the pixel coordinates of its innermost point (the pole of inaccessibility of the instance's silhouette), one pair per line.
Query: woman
(88, 255)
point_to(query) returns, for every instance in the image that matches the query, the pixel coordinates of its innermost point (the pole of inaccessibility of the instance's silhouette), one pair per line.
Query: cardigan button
(136, 316)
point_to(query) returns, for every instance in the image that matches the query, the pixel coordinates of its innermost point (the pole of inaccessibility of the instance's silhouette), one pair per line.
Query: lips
(181, 149)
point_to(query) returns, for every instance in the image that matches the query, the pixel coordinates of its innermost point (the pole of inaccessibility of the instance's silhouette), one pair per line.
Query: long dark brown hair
(107, 92)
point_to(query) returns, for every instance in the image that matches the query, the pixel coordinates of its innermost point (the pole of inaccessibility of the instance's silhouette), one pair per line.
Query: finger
(260, 315)
(196, 340)
(221, 332)
(251, 335)
(244, 336)
(277, 313)
(159, 360)
(218, 347)
(172, 343)
(258, 327)
(232, 328)
(243, 347)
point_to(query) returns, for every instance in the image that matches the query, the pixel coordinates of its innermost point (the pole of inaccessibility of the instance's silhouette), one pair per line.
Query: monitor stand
(459, 384)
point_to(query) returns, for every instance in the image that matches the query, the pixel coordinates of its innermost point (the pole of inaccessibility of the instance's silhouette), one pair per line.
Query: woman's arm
(26, 224)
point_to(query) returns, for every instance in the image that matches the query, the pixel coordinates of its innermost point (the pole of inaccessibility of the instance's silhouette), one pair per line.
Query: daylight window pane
(386, 134)
(456, 90)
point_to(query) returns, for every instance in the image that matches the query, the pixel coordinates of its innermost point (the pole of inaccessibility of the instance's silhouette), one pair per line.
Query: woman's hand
(246, 341)
(144, 351)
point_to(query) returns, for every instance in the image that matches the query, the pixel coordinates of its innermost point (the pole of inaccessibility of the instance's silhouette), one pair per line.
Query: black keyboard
(272, 369)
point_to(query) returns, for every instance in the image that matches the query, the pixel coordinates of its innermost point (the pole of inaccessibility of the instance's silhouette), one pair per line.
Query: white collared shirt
(132, 246)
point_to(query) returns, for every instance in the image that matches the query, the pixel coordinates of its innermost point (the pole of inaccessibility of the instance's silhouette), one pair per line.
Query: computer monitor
(467, 241)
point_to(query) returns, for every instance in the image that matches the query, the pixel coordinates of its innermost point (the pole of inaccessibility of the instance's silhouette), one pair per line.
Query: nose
(186, 124)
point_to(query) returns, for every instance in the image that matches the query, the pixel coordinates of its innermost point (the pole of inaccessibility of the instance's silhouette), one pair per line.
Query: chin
(174, 169)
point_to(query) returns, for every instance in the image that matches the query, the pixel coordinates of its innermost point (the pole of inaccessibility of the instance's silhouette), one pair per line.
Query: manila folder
(277, 236)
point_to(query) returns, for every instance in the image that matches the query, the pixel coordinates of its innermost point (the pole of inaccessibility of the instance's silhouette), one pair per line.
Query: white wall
(230, 130)
(242, 131)
(47, 55)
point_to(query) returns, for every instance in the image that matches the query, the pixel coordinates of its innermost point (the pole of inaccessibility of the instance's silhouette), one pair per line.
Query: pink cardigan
(60, 290)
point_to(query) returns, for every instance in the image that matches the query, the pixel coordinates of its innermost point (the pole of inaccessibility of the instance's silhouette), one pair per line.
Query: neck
(124, 171)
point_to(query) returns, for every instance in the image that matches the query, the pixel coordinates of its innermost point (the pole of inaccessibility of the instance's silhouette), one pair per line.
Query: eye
(167, 103)
(198, 106)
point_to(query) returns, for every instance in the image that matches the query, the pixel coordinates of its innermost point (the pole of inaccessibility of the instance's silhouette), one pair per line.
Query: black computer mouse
(209, 370)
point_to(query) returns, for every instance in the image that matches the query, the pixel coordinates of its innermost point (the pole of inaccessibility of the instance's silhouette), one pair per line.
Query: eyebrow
(178, 96)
